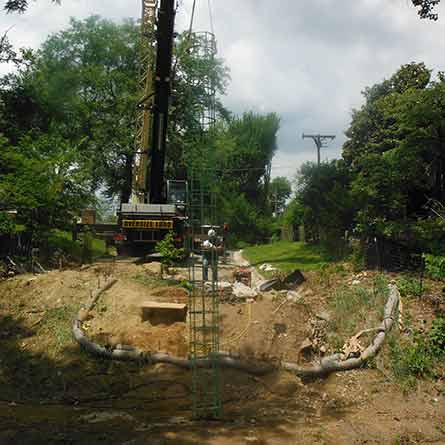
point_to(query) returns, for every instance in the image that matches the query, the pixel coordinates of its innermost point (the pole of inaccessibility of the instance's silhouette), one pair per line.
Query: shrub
(437, 337)
(419, 357)
(435, 266)
(171, 255)
(7, 225)
(409, 287)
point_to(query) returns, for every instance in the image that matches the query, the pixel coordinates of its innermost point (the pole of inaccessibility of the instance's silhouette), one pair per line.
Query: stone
(306, 347)
(163, 313)
(323, 315)
(153, 268)
(293, 297)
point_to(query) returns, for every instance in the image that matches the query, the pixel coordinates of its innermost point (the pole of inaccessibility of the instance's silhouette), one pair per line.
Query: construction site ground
(51, 392)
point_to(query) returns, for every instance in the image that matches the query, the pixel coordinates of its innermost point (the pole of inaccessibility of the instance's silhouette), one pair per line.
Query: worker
(210, 256)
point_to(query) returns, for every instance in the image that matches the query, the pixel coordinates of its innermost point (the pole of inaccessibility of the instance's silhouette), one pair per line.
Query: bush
(409, 287)
(437, 337)
(435, 266)
(419, 357)
(357, 257)
(171, 255)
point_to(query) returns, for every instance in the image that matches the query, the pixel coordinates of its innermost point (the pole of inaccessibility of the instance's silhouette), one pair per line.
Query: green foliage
(61, 241)
(357, 257)
(57, 322)
(324, 195)
(280, 192)
(351, 305)
(7, 226)
(42, 179)
(435, 266)
(419, 356)
(171, 255)
(427, 8)
(394, 151)
(437, 338)
(409, 286)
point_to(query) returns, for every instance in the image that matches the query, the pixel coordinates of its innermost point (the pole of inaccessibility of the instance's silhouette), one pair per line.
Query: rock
(242, 291)
(280, 328)
(223, 285)
(306, 347)
(332, 404)
(267, 268)
(355, 282)
(323, 315)
(153, 268)
(293, 297)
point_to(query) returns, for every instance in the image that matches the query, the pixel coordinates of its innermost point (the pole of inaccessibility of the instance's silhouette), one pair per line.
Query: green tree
(325, 195)
(280, 191)
(42, 179)
(426, 8)
(395, 149)
(84, 81)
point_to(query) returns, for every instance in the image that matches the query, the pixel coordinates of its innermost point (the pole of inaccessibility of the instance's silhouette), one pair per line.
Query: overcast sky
(307, 60)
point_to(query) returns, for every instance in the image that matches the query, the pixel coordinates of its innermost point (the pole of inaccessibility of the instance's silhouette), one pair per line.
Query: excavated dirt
(54, 393)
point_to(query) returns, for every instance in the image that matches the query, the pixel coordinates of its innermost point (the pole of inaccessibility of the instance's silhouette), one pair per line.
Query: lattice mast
(145, 104)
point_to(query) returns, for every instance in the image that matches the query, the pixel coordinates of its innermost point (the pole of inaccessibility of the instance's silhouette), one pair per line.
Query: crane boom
(143, 117)
(162, 91)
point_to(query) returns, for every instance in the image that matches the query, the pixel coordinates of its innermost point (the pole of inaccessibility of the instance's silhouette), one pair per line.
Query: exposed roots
(327, 365)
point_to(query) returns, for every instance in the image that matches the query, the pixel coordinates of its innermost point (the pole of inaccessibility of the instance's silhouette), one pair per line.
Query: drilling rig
(156, 206)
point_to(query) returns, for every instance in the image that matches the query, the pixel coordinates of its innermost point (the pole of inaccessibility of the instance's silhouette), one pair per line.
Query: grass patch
(56, 326)
(153, 281)
(286, 256)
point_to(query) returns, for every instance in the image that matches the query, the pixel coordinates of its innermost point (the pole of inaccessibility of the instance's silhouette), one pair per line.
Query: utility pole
(320, 141)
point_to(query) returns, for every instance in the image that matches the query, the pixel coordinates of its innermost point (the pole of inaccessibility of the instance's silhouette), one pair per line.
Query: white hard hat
(211, 233)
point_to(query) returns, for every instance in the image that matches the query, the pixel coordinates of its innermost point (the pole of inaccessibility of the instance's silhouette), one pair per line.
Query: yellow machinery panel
(150, 224)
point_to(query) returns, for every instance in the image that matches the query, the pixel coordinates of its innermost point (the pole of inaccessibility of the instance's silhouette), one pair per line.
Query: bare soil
(52, 392)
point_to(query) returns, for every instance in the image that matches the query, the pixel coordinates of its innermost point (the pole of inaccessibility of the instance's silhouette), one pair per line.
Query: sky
(307, 60)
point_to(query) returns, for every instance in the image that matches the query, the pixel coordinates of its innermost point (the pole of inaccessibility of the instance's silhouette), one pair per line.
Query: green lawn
(286, 256)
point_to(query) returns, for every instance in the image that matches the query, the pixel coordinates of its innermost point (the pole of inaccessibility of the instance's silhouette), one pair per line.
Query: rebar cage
(204, 298)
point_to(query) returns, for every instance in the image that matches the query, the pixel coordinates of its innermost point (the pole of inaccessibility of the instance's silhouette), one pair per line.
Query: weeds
(351, 305)
(409, 286)
(417, 357)
(57, 323)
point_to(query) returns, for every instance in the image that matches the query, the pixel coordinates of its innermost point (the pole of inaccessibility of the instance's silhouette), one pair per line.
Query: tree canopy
(78, 93)
(393, 163)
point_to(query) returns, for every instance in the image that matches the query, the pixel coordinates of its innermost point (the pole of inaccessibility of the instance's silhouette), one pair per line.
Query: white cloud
(307, 60)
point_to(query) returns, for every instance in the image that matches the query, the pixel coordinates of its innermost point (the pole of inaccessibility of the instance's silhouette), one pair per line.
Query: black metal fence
(393, 256)
(18, 244)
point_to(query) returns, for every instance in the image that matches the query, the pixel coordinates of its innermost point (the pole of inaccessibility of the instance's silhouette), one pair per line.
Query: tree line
(390, 179)
(67, 130)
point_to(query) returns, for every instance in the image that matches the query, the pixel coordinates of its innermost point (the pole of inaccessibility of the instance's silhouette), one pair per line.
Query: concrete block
(163, 313)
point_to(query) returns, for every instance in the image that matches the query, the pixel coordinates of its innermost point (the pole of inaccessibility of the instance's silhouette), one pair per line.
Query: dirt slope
(54, 393)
